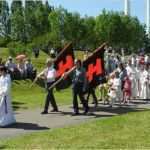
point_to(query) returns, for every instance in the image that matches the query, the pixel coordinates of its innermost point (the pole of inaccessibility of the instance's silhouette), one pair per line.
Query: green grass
(26, 97)
(4, 53)
(130, 131)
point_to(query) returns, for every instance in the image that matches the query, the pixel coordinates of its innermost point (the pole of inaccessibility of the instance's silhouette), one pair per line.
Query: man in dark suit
(78, 87)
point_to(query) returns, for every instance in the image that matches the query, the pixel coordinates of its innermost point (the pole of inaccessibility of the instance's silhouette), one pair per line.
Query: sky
(95, 7)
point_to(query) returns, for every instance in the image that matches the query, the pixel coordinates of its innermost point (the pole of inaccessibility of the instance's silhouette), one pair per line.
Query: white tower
(148, 16)
(127, 7)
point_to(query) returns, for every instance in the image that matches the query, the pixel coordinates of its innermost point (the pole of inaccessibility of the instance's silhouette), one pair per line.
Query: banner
(94, 65)
(64, 62)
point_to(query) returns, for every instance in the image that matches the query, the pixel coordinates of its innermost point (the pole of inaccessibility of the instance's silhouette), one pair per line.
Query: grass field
(130, 131)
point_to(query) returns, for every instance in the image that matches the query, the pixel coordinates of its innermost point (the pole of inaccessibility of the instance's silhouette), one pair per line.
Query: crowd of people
(22, 70)
(127, 78)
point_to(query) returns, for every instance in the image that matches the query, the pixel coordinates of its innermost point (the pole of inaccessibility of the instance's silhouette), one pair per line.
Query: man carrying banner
(78, 87)
(49, 75)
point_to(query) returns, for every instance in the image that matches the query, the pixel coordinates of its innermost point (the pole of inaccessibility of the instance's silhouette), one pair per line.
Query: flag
(64, 62)
(94, 65)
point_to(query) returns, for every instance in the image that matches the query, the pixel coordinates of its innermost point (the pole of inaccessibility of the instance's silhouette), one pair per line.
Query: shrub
(16, 48)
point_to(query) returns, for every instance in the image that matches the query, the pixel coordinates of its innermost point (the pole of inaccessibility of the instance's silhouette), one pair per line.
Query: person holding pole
(78, 87)
(49, 75)
(79, 83)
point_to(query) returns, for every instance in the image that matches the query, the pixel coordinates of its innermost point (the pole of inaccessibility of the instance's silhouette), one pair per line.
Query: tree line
(39, 25)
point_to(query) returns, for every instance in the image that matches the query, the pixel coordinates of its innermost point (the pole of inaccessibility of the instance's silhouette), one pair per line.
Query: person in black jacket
(79, 87)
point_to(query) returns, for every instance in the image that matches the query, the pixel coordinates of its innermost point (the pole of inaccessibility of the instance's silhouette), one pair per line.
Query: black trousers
(78, 91)
(50, 99)
(91, 91)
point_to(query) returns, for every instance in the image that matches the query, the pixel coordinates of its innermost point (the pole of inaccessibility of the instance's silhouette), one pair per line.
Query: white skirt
(144, 94)
(6, 112)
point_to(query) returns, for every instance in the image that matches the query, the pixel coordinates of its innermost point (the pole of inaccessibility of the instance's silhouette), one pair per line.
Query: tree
(4, 19)
(119, 30)
(30, 20)
(73, 28)
(56, 21)
(17, 21)
(134, 33)
(41, 16)
(36, 18)
(89, 36)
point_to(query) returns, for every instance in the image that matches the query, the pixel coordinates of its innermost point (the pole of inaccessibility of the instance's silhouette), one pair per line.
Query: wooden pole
(62, 77)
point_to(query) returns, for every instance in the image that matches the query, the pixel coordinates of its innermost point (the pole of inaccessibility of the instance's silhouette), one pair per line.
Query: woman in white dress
(145, 83)
(131, 72)
(6, 112)
(138, 74)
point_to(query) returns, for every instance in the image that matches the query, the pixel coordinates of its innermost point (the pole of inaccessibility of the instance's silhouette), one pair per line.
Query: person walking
(78, 87)
(6, 111)
(49, 75)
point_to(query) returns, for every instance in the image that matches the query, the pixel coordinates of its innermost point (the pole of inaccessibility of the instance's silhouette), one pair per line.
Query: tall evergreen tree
(4, 19)
(30, 20)
(17, 21)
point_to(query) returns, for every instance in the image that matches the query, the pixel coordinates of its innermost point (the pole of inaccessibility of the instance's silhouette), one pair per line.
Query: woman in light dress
(145, 89)
(6, 112)
(132, 74)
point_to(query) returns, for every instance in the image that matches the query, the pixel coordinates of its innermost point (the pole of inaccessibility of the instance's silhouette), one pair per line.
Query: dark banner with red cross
(64, 62)
(94, 65)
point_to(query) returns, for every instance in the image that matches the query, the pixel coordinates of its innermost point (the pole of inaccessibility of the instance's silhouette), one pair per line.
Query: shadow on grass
(89, 114)
(26, 126)
(3, 147)
(18, 105)
(106, 111)
(115, 111)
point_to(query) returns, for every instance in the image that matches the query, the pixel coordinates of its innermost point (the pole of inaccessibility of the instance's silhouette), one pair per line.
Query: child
(127, 90)
(103, 89)
(115, 88)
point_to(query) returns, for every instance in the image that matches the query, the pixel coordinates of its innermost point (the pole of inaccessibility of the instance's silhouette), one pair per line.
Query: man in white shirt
(49, 76)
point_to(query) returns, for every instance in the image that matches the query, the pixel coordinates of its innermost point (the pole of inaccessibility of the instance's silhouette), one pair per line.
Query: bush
(4, 41)
(16, 48)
